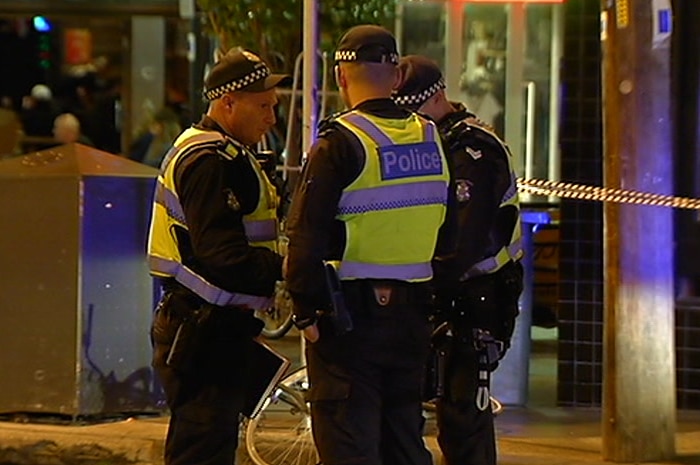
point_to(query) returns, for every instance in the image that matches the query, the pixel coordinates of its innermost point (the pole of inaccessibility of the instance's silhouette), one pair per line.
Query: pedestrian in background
(481, 311)
(38, 112)
(67, 130)
(212, 245)
(155, 139)
(372, 197)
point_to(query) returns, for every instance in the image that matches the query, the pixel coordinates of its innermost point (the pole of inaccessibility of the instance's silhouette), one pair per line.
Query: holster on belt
(340, 315)
(189, 335)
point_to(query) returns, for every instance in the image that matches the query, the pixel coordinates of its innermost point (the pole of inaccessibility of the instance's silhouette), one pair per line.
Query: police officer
(372, 197)
(212, 245)
(481, 313)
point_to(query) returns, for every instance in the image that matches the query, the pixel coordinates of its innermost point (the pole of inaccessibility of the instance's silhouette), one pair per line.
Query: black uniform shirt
(215, 193)
(335, 160)
(482, 175)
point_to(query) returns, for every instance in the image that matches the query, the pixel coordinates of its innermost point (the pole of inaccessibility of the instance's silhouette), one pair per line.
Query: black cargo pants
(206, 396)
(366, 385)
(465, 433)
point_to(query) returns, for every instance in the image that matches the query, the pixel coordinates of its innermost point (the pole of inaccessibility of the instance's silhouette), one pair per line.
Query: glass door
(502, 60)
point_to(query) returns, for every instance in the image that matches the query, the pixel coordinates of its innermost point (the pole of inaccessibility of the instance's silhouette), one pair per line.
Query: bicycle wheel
(281, 434)
(278, 317)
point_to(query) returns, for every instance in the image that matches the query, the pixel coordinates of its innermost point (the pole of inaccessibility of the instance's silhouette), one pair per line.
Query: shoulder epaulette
(329, 122)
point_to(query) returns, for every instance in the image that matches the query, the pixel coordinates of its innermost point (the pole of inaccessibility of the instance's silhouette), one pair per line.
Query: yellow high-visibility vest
(393, 210)
(163, 248)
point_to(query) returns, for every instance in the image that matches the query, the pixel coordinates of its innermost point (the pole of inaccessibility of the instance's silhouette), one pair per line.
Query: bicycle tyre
(276, 331)
(287, 438)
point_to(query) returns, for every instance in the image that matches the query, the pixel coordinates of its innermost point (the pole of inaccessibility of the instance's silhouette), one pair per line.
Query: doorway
(502, 59)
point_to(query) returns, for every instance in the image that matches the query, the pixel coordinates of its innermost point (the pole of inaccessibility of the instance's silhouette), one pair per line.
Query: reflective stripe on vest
(409, 272)
(262, 225)
(399, 195)
(204, 289)
(424, 186)
(260, 230)
(170, 202)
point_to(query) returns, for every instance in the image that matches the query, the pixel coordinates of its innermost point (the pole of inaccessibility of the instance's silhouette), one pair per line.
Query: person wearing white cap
(371, 202)
(38, 111)
(212, 246)
(480, 312)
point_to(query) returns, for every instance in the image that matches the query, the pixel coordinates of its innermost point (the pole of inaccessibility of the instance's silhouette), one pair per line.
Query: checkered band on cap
(260, 71)
(351, 55)
(416, 100)
(345, 55)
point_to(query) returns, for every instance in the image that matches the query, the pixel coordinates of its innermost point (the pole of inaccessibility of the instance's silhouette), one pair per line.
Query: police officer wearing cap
(481, 310)
(372, 199)
(212, 245)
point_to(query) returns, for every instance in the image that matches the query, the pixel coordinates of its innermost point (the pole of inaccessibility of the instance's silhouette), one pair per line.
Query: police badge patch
(463, 190)
(231, 200)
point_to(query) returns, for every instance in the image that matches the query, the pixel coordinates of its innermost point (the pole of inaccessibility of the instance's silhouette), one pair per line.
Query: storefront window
(498, 59)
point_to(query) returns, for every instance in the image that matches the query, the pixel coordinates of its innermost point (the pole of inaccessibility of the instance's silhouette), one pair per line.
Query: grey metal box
(76, 298)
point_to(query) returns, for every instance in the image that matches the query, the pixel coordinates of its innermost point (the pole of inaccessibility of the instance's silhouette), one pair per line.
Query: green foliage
(273, 28)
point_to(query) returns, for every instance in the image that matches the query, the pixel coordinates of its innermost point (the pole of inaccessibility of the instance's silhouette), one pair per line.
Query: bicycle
(281, 433)
(277, 317)
(287, 438)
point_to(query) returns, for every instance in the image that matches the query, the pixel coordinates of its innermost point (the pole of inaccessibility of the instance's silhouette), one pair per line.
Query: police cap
(421, 79)
(367, 43)
(240, 70)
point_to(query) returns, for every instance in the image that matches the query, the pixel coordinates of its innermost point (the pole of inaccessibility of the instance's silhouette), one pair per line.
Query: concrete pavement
(539, 435)
(542, 436)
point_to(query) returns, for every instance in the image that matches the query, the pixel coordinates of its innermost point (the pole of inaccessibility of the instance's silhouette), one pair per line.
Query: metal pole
(198, 57)
(310, 91)
(554, 170)
(639, 378)
(515, 54)
(310, 75)
(454, 47)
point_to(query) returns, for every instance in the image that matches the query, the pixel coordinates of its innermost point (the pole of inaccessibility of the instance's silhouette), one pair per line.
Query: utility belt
(171, 285)
(488, 302)
(509, 278)
(353, 300)
(486, 348)
(383, 294)
(193, 323)
(481, 318)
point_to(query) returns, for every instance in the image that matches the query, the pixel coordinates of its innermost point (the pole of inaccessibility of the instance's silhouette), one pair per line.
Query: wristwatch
(302, 323)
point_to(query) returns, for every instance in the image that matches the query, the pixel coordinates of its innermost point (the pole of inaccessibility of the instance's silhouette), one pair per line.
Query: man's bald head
(66, 128)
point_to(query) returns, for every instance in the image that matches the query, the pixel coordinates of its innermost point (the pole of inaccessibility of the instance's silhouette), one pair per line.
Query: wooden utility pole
(639, 389)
